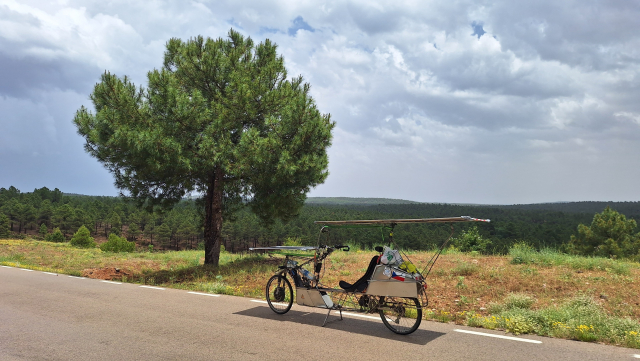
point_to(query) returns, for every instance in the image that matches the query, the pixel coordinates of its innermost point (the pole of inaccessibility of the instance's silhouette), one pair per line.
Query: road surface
(45, 316)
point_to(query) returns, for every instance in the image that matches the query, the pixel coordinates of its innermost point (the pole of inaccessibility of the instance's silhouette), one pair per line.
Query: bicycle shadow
(348, 324)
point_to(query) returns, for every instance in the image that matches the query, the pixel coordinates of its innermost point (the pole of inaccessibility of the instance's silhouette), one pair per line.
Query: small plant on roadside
(82, 239)
(632, 339)
(518, 300)
(518, 324)
(584, 333)
(117, 244)
(442, 316)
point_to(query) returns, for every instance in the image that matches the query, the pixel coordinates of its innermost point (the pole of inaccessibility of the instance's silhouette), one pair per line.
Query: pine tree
(43, 230)
(55, 236)
(220, 118)
(82, 238)
(610, 234)
(4, 226)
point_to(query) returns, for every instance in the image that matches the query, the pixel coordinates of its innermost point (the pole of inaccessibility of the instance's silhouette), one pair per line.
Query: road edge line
(498, 336)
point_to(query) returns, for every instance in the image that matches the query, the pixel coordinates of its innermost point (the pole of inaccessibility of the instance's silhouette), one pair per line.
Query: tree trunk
(213, 218)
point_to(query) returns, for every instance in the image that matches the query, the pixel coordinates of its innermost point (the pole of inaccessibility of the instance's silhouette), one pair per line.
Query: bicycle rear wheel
(400, 314)
(279, 294)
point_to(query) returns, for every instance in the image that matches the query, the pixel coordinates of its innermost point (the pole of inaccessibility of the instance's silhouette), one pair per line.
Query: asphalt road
(45, 316)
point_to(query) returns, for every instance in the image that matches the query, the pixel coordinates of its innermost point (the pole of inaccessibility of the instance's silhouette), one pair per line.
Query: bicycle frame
(396, 294)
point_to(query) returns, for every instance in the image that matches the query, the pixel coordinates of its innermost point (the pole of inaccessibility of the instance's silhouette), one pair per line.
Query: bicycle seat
(361, 284)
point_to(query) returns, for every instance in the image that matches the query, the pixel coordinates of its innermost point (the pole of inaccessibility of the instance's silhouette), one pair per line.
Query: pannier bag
(391, 257)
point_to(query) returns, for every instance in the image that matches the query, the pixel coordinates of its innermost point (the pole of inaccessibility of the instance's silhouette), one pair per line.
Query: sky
(446, 101)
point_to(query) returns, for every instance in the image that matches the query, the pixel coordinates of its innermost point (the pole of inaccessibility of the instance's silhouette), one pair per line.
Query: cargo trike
(392, 286)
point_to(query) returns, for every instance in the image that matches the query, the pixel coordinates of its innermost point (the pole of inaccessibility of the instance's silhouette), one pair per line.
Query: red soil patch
(107, 273)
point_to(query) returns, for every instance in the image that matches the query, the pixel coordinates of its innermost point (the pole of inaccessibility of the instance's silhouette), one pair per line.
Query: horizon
(361, 198)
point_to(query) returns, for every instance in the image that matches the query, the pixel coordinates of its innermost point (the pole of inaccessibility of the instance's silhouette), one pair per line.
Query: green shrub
(471, 241)
(55, 236)
(522, 253)
(518, 300)
(117, 244)
(465, 269)
(43, 230)
(82, 238)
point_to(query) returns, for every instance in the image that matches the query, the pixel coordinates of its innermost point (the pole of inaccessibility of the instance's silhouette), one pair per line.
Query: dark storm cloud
(21, 76)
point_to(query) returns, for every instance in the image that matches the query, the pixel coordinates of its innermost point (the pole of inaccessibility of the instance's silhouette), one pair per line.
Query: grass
(524, 292)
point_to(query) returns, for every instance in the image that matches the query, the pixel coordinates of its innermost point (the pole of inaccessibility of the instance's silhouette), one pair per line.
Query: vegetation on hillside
(181, 227)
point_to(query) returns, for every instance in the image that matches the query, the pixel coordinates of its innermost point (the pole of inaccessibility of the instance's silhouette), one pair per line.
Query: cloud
(466, 101)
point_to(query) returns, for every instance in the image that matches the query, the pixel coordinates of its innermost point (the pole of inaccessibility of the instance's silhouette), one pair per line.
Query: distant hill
(355, 201)
(626, 208)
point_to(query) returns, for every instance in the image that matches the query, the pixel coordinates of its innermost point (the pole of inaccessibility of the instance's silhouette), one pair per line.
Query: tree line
(41, 211)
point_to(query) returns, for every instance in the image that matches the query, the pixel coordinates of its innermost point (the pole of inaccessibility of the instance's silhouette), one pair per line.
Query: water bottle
(307, 274)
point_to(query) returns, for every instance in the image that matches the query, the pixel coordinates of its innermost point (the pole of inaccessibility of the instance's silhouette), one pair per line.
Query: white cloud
(544, 98)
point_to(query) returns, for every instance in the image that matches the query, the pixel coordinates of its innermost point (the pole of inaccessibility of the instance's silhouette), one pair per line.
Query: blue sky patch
(299, 23)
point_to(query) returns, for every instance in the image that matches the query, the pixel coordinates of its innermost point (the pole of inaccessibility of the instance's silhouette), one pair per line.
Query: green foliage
(117, 244)
(133, 232)
(580, 318)
(292, 241)
(470, 240)
(220, 118)
(43, 230)
(4, 226)
(55, 236)
(610, 235)
(523, 253)
(82, 239)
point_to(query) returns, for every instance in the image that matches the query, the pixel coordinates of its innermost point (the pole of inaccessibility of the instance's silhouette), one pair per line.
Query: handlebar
(343, 247)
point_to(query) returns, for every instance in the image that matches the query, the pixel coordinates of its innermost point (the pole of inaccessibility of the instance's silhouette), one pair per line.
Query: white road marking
(115, 283)
(204, 294)
(636, 356)
(273, 303)
(80, 278)
(6, 266)
(155, 288)
(49, 273)
(28, 270)
(358, 315)
(498, 336)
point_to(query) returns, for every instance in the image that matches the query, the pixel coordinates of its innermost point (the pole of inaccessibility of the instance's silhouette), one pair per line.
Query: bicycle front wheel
(400, 314)
(279, 294)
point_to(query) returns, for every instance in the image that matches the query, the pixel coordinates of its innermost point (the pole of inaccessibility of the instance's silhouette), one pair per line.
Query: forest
(550, 225)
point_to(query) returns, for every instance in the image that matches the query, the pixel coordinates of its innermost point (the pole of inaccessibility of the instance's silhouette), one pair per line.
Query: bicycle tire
(402, 315)
(279, 294)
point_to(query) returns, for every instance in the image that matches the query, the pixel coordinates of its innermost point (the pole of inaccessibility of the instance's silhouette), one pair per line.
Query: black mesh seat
(361, 284)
